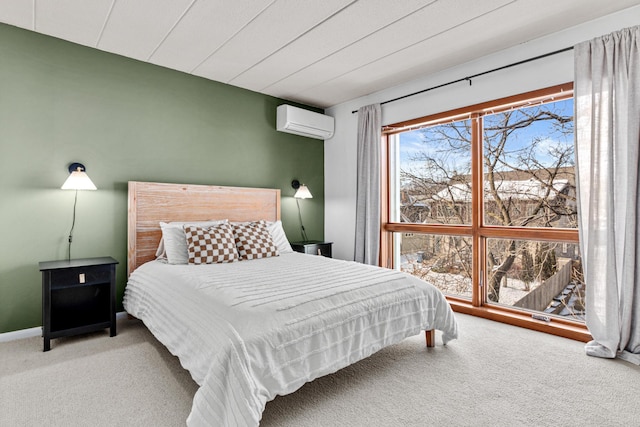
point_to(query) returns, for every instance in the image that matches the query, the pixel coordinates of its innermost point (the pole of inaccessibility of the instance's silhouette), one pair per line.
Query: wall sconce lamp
(77, 180)
(302, 192)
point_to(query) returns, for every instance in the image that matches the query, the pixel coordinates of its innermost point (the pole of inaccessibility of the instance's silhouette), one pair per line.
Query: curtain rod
(468, 78)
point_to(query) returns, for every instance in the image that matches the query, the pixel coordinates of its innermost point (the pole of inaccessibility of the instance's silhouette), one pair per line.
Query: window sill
(560, 327)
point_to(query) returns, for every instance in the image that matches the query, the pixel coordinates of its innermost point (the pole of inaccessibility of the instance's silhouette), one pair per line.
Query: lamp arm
(304, 232)
(73, 224)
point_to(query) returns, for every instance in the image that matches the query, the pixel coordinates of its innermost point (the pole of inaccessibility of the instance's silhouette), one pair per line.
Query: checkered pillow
(209, 245)
(253, 240)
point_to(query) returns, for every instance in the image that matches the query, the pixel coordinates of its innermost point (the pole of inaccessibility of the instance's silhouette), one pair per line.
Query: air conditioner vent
(304, 122)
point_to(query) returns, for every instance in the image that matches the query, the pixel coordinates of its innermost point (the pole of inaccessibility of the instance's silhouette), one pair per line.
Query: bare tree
(528, 178)
(527, 272)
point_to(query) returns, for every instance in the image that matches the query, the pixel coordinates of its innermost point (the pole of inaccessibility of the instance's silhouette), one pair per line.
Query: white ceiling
(317, 52)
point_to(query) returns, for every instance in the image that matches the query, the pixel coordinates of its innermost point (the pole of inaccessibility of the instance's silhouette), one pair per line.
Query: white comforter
(251, 330)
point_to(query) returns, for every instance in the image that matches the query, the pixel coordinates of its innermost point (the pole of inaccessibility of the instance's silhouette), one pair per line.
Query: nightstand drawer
(80, 276)
(313, 248)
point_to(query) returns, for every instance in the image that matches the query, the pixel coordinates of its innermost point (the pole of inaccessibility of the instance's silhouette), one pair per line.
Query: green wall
(125, 121)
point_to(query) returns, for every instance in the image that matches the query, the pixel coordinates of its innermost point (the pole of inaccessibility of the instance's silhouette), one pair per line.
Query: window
(482, 203)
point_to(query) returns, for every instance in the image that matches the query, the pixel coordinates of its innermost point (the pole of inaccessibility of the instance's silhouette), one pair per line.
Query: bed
(251, 330)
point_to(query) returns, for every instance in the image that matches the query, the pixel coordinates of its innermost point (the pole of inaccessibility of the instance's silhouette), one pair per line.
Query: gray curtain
(607, 108)
(367, 245)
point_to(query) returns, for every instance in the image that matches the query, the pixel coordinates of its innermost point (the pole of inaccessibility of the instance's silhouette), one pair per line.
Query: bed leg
(430, 335)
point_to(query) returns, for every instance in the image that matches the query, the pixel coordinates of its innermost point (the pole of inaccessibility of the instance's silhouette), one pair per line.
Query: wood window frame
(477, 231)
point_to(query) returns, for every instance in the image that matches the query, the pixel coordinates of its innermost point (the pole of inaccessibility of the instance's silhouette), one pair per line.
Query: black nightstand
(313, 247)
(78, 296)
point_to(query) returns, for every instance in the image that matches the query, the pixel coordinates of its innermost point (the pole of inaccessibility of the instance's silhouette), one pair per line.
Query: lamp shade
(303, 193)
(78, 180)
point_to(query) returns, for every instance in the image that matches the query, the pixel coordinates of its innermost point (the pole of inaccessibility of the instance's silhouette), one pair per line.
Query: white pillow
(174, 239)
(278, 237)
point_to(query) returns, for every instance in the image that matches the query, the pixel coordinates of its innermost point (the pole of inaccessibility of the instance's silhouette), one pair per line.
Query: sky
(412, 143)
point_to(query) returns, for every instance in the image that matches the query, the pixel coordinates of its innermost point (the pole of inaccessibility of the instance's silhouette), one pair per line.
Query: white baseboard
(22, 333)
(37, 331)
(121, 315)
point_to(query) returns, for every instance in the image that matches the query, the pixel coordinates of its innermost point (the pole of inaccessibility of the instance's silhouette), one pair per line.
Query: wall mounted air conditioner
(304, 122)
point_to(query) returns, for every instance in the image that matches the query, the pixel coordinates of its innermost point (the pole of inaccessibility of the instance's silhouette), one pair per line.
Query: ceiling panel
(226, 64)
(315, 52)
(207, 26)
(484, 35)
(356, 22)
(417, 28)
(78, 21)
(136, 28)
(17, 12)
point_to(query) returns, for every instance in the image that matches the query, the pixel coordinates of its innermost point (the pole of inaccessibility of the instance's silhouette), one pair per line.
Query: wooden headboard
(153, 202)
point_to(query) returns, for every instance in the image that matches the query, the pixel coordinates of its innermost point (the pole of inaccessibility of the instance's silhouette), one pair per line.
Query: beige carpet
(493, 375)
(93, 380)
